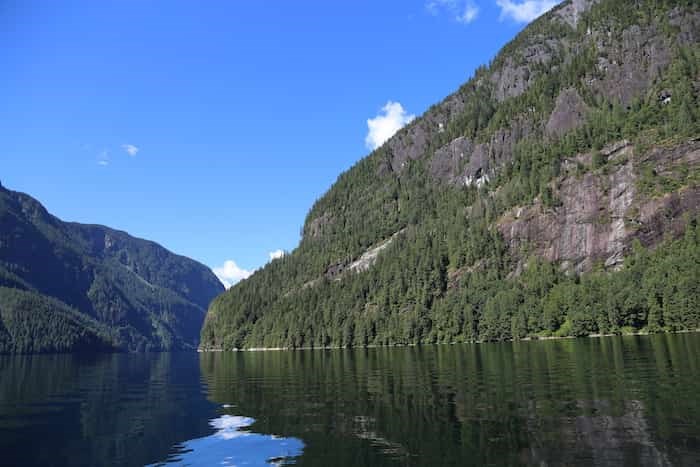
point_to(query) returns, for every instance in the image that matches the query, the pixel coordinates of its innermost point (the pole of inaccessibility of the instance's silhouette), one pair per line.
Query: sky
(211, 127)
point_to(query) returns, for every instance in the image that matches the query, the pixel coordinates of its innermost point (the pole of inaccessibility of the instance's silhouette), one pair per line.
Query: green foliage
(34, 323)
(447, 276)
(599, 160)
(70, 275)
(407, 302)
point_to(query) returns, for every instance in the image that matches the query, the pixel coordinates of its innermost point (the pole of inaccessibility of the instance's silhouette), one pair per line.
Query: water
(608, 401)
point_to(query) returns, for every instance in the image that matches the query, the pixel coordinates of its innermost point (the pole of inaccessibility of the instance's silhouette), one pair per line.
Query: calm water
(609, 401)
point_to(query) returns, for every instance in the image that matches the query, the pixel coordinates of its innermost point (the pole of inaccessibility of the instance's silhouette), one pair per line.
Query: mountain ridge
(534, 132)
(107, 289)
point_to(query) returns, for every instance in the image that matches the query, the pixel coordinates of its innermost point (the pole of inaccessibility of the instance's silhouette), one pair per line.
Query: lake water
(608, 401)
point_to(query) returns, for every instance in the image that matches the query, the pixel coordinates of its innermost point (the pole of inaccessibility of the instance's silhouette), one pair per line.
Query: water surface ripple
(606, 401)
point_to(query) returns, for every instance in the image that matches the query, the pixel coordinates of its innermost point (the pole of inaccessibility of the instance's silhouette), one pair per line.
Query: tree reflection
(608, 401)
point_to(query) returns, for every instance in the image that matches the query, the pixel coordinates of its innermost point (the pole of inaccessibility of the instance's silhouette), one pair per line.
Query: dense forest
(74, 287)
(591, 109)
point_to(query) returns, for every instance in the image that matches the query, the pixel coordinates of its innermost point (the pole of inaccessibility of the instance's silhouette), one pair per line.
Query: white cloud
(463, 11)
(525, 11)
(382, 127)
(130, 149)
(230, 273)
(471, 11)
(277, 254)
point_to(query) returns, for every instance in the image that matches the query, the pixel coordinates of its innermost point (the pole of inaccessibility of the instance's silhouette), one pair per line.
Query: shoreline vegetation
(654, 291)
(524, 339)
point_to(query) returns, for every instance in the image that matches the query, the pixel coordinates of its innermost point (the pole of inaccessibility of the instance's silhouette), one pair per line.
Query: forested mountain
(66, 286)
(556, 192)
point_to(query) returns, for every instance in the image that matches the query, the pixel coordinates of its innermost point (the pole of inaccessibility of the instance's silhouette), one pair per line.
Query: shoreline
(376, 346)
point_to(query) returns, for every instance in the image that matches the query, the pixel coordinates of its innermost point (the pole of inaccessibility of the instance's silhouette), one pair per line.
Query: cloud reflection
(231, 446)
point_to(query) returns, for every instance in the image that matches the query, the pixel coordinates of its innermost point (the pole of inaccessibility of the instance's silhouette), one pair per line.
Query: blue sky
(211, 127)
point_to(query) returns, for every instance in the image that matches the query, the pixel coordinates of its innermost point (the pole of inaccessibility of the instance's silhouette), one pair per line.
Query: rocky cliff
(524, 200)
(601, 212)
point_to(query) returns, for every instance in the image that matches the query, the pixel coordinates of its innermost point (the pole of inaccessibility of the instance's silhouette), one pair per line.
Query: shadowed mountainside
(66, 286)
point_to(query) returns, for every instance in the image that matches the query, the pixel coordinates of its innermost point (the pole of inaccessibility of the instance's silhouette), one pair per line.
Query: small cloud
(471, 11)
(277, 254)
(462, 11)
(103, 158)
(382, 127)
(230, 273)
(525, 11)
(130, 149)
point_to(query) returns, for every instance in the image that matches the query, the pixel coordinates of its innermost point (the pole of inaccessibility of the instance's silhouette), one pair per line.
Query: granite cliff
(540, 197)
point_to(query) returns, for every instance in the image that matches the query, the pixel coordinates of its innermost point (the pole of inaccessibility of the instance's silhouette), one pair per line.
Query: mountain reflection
(111, 410)
(611, 401)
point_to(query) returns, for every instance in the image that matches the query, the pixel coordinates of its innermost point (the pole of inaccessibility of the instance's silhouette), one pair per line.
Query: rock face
(315, 228)
(570, 12)
(601, 214)
(632, 64)
(569, 113)
(460, 162)
(449, 161)
(123, 292)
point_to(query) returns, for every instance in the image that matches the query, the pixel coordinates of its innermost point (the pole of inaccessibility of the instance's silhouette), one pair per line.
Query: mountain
(555, 193)
(66, 286)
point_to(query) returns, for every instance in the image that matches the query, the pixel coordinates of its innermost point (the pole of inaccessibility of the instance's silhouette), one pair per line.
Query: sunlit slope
(556, 192)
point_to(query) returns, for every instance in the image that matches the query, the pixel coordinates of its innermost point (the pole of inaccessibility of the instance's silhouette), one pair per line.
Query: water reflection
(613, 401)
(231, 446)
(100, 410)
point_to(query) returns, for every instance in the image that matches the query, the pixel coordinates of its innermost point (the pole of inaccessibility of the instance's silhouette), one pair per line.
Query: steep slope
(68, 286)
(555, 192)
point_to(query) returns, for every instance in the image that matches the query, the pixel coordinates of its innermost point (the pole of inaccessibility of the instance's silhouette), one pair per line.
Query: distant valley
(69, 287)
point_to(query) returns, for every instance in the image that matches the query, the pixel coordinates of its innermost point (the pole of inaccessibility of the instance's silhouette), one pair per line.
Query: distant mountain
(555, 193)
(66, 286)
